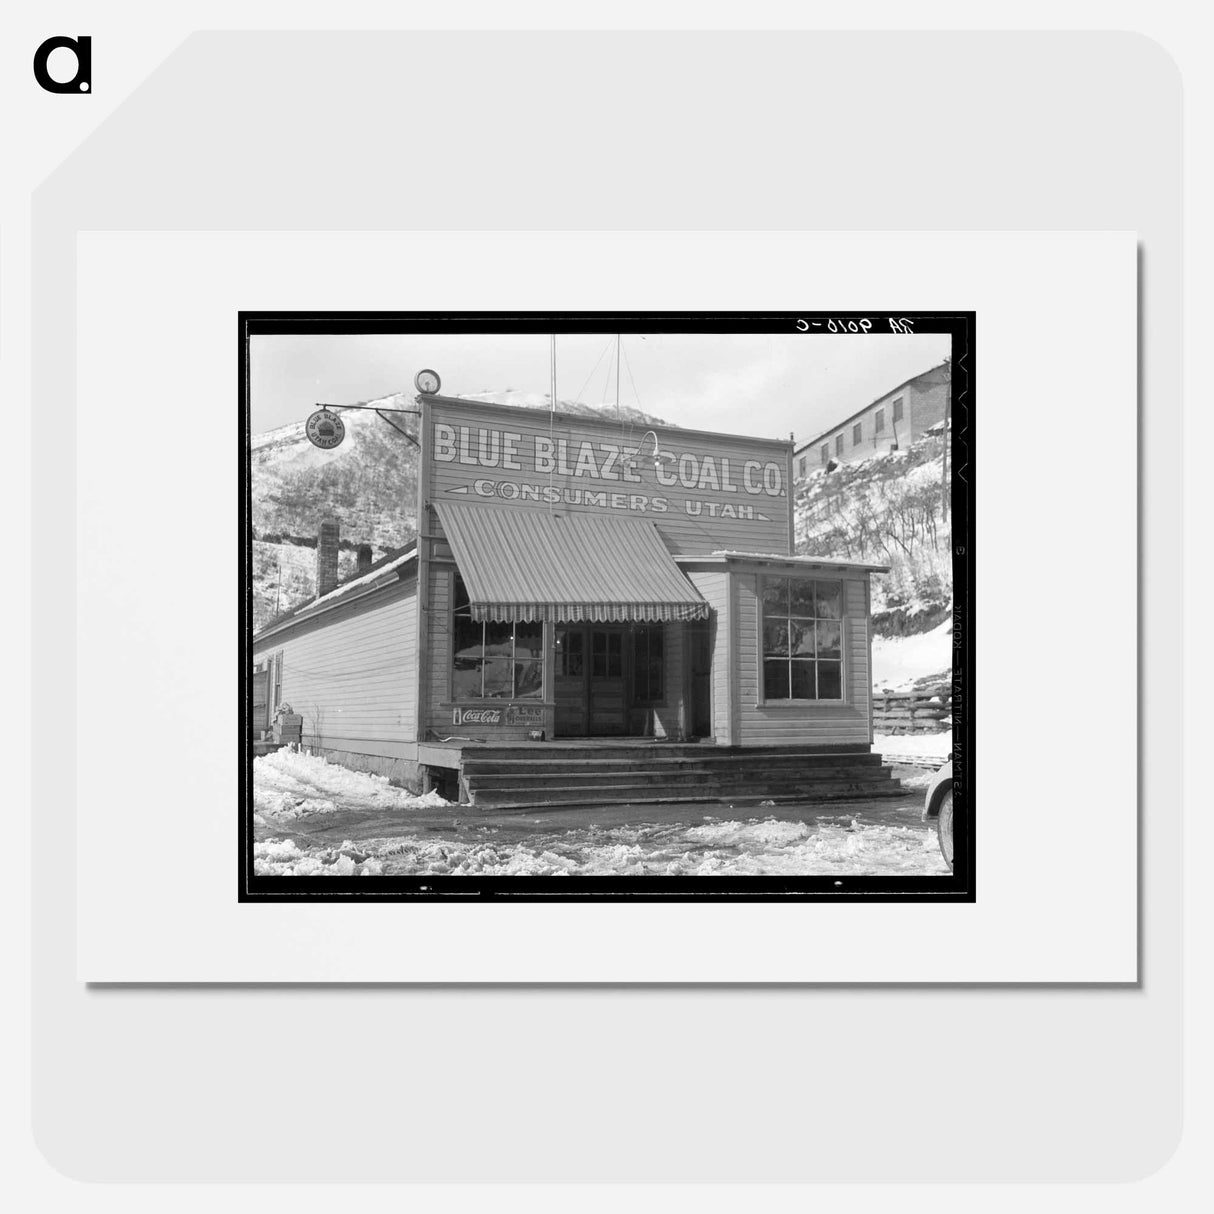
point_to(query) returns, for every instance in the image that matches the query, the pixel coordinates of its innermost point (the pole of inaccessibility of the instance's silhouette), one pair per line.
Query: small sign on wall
(515, 714)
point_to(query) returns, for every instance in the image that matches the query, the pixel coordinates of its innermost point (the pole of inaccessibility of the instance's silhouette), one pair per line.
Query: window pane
(830, 639)
(801, 597)
(498, 639)
(830, 680)
(615, 655)
(801, 636)
(775, 680)
(528, 680)
(569, 646)
(802, 680)
(468, 635)
(528, 641)
(459, 593)
(498, 682)
(829, 600)
(775, 595)
(466, 683)
(775, 638)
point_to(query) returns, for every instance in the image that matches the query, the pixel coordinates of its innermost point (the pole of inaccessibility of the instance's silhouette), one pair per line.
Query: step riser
(686, 779)
(641, 794)
(751, 801)
(538, 752)
(523, 769)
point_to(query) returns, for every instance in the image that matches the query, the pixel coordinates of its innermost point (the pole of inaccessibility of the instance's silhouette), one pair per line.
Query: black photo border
(957, 886)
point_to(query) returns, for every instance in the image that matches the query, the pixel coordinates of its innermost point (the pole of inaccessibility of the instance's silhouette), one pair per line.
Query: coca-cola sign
(476, 716)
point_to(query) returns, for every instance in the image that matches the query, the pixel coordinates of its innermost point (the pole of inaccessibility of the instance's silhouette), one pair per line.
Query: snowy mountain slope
(888, 510)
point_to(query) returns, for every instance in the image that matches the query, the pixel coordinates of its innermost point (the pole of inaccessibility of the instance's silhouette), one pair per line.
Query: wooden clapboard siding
(350, 673)
(473, 471)
(792, 723)
(714, 587)
(438, 649)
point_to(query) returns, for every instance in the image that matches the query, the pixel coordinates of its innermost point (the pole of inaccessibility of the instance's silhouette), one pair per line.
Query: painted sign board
(514, 714)
(706, 492)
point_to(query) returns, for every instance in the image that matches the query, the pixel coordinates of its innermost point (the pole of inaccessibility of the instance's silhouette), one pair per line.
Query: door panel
(572, 719)
(608, 701)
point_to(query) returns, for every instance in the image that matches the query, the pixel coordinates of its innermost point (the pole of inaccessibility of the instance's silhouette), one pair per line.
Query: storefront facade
(575, 579)
(579, 586)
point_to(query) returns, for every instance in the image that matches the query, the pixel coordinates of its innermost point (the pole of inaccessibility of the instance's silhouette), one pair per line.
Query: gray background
(620, 131)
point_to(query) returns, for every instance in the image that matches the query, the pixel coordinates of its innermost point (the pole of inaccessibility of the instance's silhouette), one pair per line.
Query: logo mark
(325, 430)
(82, 48)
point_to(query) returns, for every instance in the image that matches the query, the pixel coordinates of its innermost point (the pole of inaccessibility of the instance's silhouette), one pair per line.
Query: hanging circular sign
(325, 430)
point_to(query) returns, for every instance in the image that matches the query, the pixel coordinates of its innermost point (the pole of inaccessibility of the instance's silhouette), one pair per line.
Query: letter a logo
(82, 81)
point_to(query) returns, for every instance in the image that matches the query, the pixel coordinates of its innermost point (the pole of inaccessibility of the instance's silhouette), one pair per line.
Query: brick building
(891, 421)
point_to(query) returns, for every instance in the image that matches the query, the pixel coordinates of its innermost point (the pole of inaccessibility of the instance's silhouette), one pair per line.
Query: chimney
(326, 556)
(364, 558)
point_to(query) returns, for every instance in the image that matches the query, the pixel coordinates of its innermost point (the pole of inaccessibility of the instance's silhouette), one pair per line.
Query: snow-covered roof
(391, 563)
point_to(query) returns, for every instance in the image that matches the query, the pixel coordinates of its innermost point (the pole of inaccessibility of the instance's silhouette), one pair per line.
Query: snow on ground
(938, 746)
(841, 846)
(293, 784)
(899, 661)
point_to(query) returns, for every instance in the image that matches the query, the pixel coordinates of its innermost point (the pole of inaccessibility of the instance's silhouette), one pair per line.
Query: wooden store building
(593, 611)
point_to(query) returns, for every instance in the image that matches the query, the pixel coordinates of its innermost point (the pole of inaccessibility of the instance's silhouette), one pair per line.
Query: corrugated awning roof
(533, 565)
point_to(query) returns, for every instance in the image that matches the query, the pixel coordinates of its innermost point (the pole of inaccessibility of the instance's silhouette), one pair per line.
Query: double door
(592, 687)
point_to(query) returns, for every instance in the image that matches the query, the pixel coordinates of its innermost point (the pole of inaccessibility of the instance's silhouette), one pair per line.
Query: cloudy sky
(758, 384)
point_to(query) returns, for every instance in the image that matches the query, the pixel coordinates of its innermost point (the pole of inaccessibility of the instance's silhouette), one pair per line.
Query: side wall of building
(928, 406)
(351, 674)
(788, 723)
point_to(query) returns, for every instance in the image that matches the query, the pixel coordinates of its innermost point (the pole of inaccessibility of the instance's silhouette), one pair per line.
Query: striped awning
(528, 565)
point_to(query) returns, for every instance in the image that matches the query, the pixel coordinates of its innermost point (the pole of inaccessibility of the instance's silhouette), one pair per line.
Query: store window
(648, 664)
(802, 639)
(494, 661)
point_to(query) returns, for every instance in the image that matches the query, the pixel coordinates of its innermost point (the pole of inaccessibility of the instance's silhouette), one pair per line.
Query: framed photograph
(657, 606)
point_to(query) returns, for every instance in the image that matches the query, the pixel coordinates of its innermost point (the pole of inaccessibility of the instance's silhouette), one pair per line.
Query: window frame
(857, 434)
(458, 612)
(844, 699)
(897, 410)
(879, 422)
(825, 454)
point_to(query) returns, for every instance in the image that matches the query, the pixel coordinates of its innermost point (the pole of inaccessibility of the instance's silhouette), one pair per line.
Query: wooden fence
(926, 711)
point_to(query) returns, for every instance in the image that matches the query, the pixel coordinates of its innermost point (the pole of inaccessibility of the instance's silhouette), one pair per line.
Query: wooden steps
(519, 777)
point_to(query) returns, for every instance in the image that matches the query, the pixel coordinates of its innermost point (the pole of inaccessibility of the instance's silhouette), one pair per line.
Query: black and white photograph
(606, 606)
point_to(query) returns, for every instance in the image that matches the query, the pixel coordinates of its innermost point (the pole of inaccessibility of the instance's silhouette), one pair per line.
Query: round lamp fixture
(427, 382)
